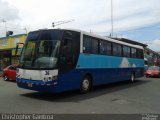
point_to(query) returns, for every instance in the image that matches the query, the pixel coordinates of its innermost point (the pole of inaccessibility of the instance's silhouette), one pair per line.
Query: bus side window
(86, 44)
(103, 47)
(133, 52)
(67, 54)
(126, 51)
(117, 50)
(140, 54)
(94, 47)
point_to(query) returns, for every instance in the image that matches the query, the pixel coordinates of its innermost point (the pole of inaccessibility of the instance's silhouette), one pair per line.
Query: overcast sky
(137, 20)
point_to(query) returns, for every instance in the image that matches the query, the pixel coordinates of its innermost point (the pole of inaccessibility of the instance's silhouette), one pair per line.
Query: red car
(153, 71)
(9, 73)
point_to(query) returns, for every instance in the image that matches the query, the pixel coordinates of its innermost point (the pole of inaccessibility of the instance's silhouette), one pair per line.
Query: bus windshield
(41, 54)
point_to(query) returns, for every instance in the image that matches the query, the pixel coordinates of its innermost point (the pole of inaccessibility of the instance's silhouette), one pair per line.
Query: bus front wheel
(86, 84)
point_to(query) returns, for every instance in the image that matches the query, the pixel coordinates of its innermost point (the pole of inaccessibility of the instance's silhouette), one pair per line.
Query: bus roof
(99, 37)
(112, 40)
(107, 38)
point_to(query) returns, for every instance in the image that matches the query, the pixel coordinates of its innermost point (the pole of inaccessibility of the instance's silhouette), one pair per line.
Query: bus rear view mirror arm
(17, 47)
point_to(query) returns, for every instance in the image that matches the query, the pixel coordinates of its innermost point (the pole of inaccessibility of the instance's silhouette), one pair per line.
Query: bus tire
(132, 79)
(86, 84)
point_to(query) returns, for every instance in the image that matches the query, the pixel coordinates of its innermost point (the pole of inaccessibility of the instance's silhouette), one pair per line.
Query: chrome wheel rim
(85, 84)
(5, 78)
(132, 78)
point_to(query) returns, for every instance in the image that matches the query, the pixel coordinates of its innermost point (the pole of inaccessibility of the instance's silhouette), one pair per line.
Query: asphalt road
(143, 96)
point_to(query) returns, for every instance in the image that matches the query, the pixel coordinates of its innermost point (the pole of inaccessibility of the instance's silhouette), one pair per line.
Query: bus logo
(46, 72)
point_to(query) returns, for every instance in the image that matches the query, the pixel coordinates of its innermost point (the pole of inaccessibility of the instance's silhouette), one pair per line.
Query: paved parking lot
(143, 96)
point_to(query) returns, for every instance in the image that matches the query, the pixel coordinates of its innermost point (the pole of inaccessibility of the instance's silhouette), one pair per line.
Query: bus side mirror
(17, 47)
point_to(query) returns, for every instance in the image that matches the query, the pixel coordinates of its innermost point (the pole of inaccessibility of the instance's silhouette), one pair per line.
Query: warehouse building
(7, 49)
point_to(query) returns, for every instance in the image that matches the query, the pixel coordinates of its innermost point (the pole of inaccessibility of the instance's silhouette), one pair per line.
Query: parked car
(153, 71)
(9, 73)
(145, 68)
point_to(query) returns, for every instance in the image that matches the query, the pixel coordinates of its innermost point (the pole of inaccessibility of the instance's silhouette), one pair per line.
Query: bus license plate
(30, 85)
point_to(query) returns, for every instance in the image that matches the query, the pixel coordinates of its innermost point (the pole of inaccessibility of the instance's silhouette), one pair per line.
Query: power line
(153, 26)
(57, 23)
(134, 29)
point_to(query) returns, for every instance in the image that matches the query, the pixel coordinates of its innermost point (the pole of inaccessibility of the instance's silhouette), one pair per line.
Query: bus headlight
(46, 79)
(54, 77)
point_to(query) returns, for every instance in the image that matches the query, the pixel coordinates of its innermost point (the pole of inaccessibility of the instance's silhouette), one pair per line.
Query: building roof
(13, 36)
(151, 51)
(131, 41)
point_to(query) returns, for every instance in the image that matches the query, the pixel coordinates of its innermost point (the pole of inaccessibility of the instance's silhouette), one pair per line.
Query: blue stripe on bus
(102, 61)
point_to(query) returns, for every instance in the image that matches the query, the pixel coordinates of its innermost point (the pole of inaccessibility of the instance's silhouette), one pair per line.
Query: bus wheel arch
(86, 83)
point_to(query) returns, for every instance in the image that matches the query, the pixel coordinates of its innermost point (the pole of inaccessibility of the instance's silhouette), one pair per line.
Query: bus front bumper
(37, 85)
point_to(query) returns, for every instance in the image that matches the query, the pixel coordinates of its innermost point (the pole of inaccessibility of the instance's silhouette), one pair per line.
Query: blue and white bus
(58, 60)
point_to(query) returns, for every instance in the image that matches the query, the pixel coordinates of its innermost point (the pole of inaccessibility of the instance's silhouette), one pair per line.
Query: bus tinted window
(94, 47)
(114, 49)
(117, 50)
(33, 36)
(140, 54)
(86, 44)
(103, 47)
(50, 35)
(109, 49)
(133, 53)
(126, 51)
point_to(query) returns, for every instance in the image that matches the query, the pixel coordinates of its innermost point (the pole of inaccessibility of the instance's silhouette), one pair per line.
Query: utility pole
(4, 21)
(111, 18)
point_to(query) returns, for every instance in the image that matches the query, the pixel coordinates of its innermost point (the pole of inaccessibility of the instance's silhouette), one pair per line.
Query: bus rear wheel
(86, 84)
(132, 79)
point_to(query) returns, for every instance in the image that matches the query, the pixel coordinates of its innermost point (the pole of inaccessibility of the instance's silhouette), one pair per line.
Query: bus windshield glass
(41, 54)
